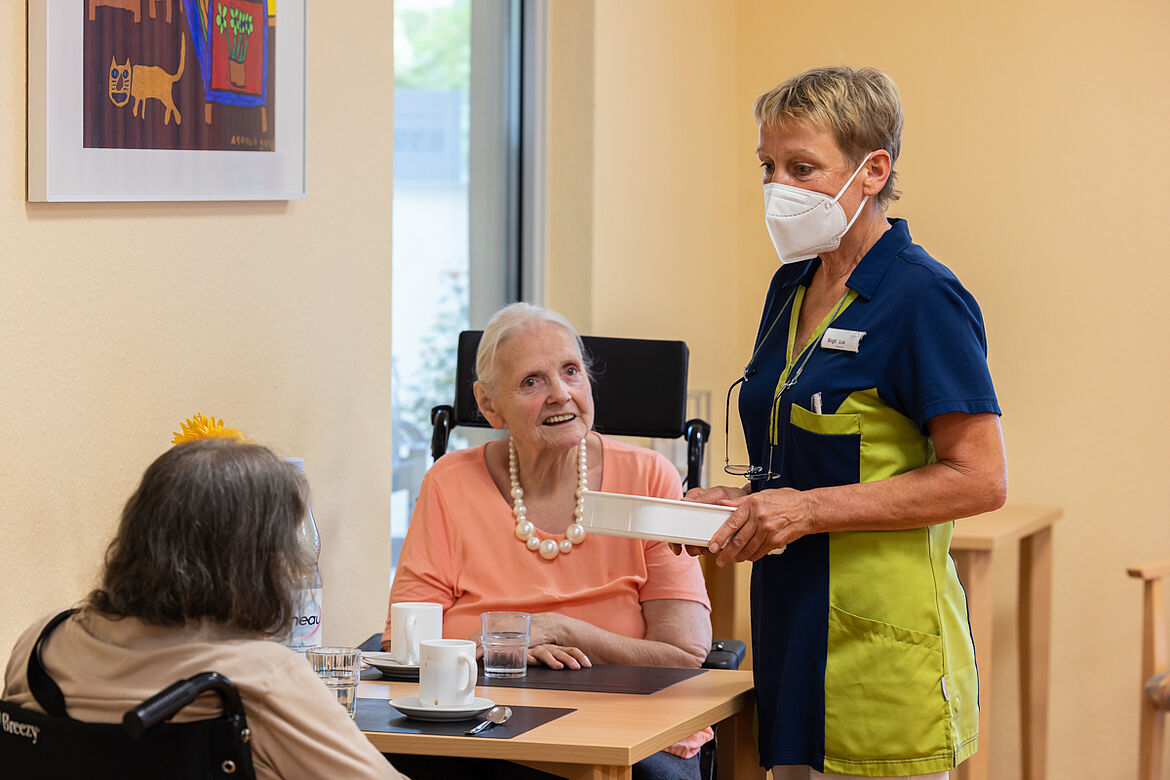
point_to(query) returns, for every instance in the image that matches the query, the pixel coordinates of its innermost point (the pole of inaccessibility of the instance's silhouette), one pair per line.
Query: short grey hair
(507, 322)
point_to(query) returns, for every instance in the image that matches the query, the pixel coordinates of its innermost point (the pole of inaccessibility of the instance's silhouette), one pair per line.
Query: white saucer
(411, 708)
(383, 662)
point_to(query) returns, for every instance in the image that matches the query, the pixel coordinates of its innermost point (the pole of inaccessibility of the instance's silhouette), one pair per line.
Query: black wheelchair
(52, 745)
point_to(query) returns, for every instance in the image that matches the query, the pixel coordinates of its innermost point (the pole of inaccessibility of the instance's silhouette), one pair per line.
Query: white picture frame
(62, 169)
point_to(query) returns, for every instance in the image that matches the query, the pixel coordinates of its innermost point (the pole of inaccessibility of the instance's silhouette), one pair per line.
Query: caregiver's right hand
(711, 495)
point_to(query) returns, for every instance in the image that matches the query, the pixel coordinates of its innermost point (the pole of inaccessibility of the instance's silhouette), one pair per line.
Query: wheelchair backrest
(639, 385)
(51, 745)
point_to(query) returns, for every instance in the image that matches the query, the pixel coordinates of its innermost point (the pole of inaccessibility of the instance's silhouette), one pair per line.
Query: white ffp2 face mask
(803, 223)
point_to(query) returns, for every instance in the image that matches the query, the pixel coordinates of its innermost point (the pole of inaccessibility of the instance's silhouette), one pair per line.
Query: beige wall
(657, 255)
(1032, 166)
(118, 321)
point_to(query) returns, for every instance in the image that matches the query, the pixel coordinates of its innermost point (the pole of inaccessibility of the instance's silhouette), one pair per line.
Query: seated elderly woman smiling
(495, 526)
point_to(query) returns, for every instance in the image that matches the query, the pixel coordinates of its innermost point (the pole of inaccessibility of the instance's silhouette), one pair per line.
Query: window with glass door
(460, 230)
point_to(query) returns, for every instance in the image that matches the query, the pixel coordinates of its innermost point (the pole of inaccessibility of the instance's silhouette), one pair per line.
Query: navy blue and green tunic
(863, 657)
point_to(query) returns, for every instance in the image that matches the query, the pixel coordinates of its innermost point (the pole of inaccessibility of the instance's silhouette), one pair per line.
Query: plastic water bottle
(307, 598)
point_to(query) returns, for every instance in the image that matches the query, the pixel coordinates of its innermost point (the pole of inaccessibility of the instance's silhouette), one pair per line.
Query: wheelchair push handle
(697, 432)
(443, 420)
(164, 704)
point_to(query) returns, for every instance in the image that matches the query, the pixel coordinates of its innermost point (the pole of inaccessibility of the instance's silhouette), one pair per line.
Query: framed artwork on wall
(160, 100)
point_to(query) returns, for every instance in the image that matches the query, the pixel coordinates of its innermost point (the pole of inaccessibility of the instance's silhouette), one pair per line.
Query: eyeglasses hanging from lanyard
(752, 472)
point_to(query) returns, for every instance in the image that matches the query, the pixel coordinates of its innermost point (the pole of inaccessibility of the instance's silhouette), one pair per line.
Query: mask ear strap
(856, 214)
(854, 176)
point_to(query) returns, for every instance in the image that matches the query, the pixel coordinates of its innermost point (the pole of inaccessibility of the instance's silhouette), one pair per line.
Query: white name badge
(844, 340)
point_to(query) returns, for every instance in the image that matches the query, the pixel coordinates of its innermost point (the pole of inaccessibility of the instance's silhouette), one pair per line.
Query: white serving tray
(656, 519)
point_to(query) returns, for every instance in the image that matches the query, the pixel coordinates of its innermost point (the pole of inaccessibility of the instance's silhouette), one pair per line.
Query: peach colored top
(462, 552)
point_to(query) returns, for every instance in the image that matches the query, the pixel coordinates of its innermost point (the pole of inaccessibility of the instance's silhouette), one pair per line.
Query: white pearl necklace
(526, 531)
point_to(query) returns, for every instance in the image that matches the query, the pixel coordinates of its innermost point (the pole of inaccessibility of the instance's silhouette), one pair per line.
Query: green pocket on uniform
(826, 424)
(884, 694)
(823, 449)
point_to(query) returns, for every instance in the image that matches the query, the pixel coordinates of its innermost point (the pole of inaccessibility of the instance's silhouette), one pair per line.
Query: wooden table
(608, 733)
(973, 547)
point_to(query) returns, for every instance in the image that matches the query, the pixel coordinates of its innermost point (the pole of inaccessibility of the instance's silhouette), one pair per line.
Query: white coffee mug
(446, 672)
(412, 622)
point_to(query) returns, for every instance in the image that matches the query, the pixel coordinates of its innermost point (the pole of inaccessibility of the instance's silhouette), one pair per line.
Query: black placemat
(601, 678)
(403, 675)
(379, 715)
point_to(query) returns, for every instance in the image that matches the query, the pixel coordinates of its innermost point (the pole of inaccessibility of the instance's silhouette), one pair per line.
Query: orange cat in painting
(143, 82)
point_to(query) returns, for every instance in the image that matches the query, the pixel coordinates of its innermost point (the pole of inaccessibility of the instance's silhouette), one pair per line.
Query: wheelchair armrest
(164, 704)
(725, 654)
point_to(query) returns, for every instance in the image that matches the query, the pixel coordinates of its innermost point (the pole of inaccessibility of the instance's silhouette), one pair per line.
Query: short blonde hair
(510, 320)
(860, 107)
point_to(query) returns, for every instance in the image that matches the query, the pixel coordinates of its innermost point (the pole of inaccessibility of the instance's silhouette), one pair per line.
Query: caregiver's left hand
(761, 522)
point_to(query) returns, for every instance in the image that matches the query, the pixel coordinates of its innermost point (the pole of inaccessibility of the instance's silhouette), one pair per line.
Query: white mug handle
(410, 657)
(472, 677)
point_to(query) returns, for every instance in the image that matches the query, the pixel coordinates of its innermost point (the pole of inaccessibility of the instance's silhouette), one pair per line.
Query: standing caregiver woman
(871, 422)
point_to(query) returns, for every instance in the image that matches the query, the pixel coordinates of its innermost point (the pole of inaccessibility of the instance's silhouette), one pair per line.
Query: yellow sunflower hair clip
(200, 427)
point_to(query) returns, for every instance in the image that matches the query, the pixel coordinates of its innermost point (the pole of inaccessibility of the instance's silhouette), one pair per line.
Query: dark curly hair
(209, 533)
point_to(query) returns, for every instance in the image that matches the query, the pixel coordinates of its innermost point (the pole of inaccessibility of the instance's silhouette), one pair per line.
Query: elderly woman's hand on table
(546, 647)
(671, 630)
(678, 634)
(558, 657)
(543, 649)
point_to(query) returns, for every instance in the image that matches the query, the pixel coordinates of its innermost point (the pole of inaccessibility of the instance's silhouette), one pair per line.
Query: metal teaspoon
(495, 716)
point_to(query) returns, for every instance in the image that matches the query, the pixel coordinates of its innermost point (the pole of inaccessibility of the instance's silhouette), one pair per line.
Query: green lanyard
(783, 383)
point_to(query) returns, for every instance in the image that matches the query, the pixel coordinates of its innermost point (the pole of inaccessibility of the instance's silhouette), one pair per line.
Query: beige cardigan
(104, 667)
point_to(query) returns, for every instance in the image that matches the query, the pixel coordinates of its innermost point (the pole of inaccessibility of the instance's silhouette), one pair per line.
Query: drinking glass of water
(505, 643)
(338, 668)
